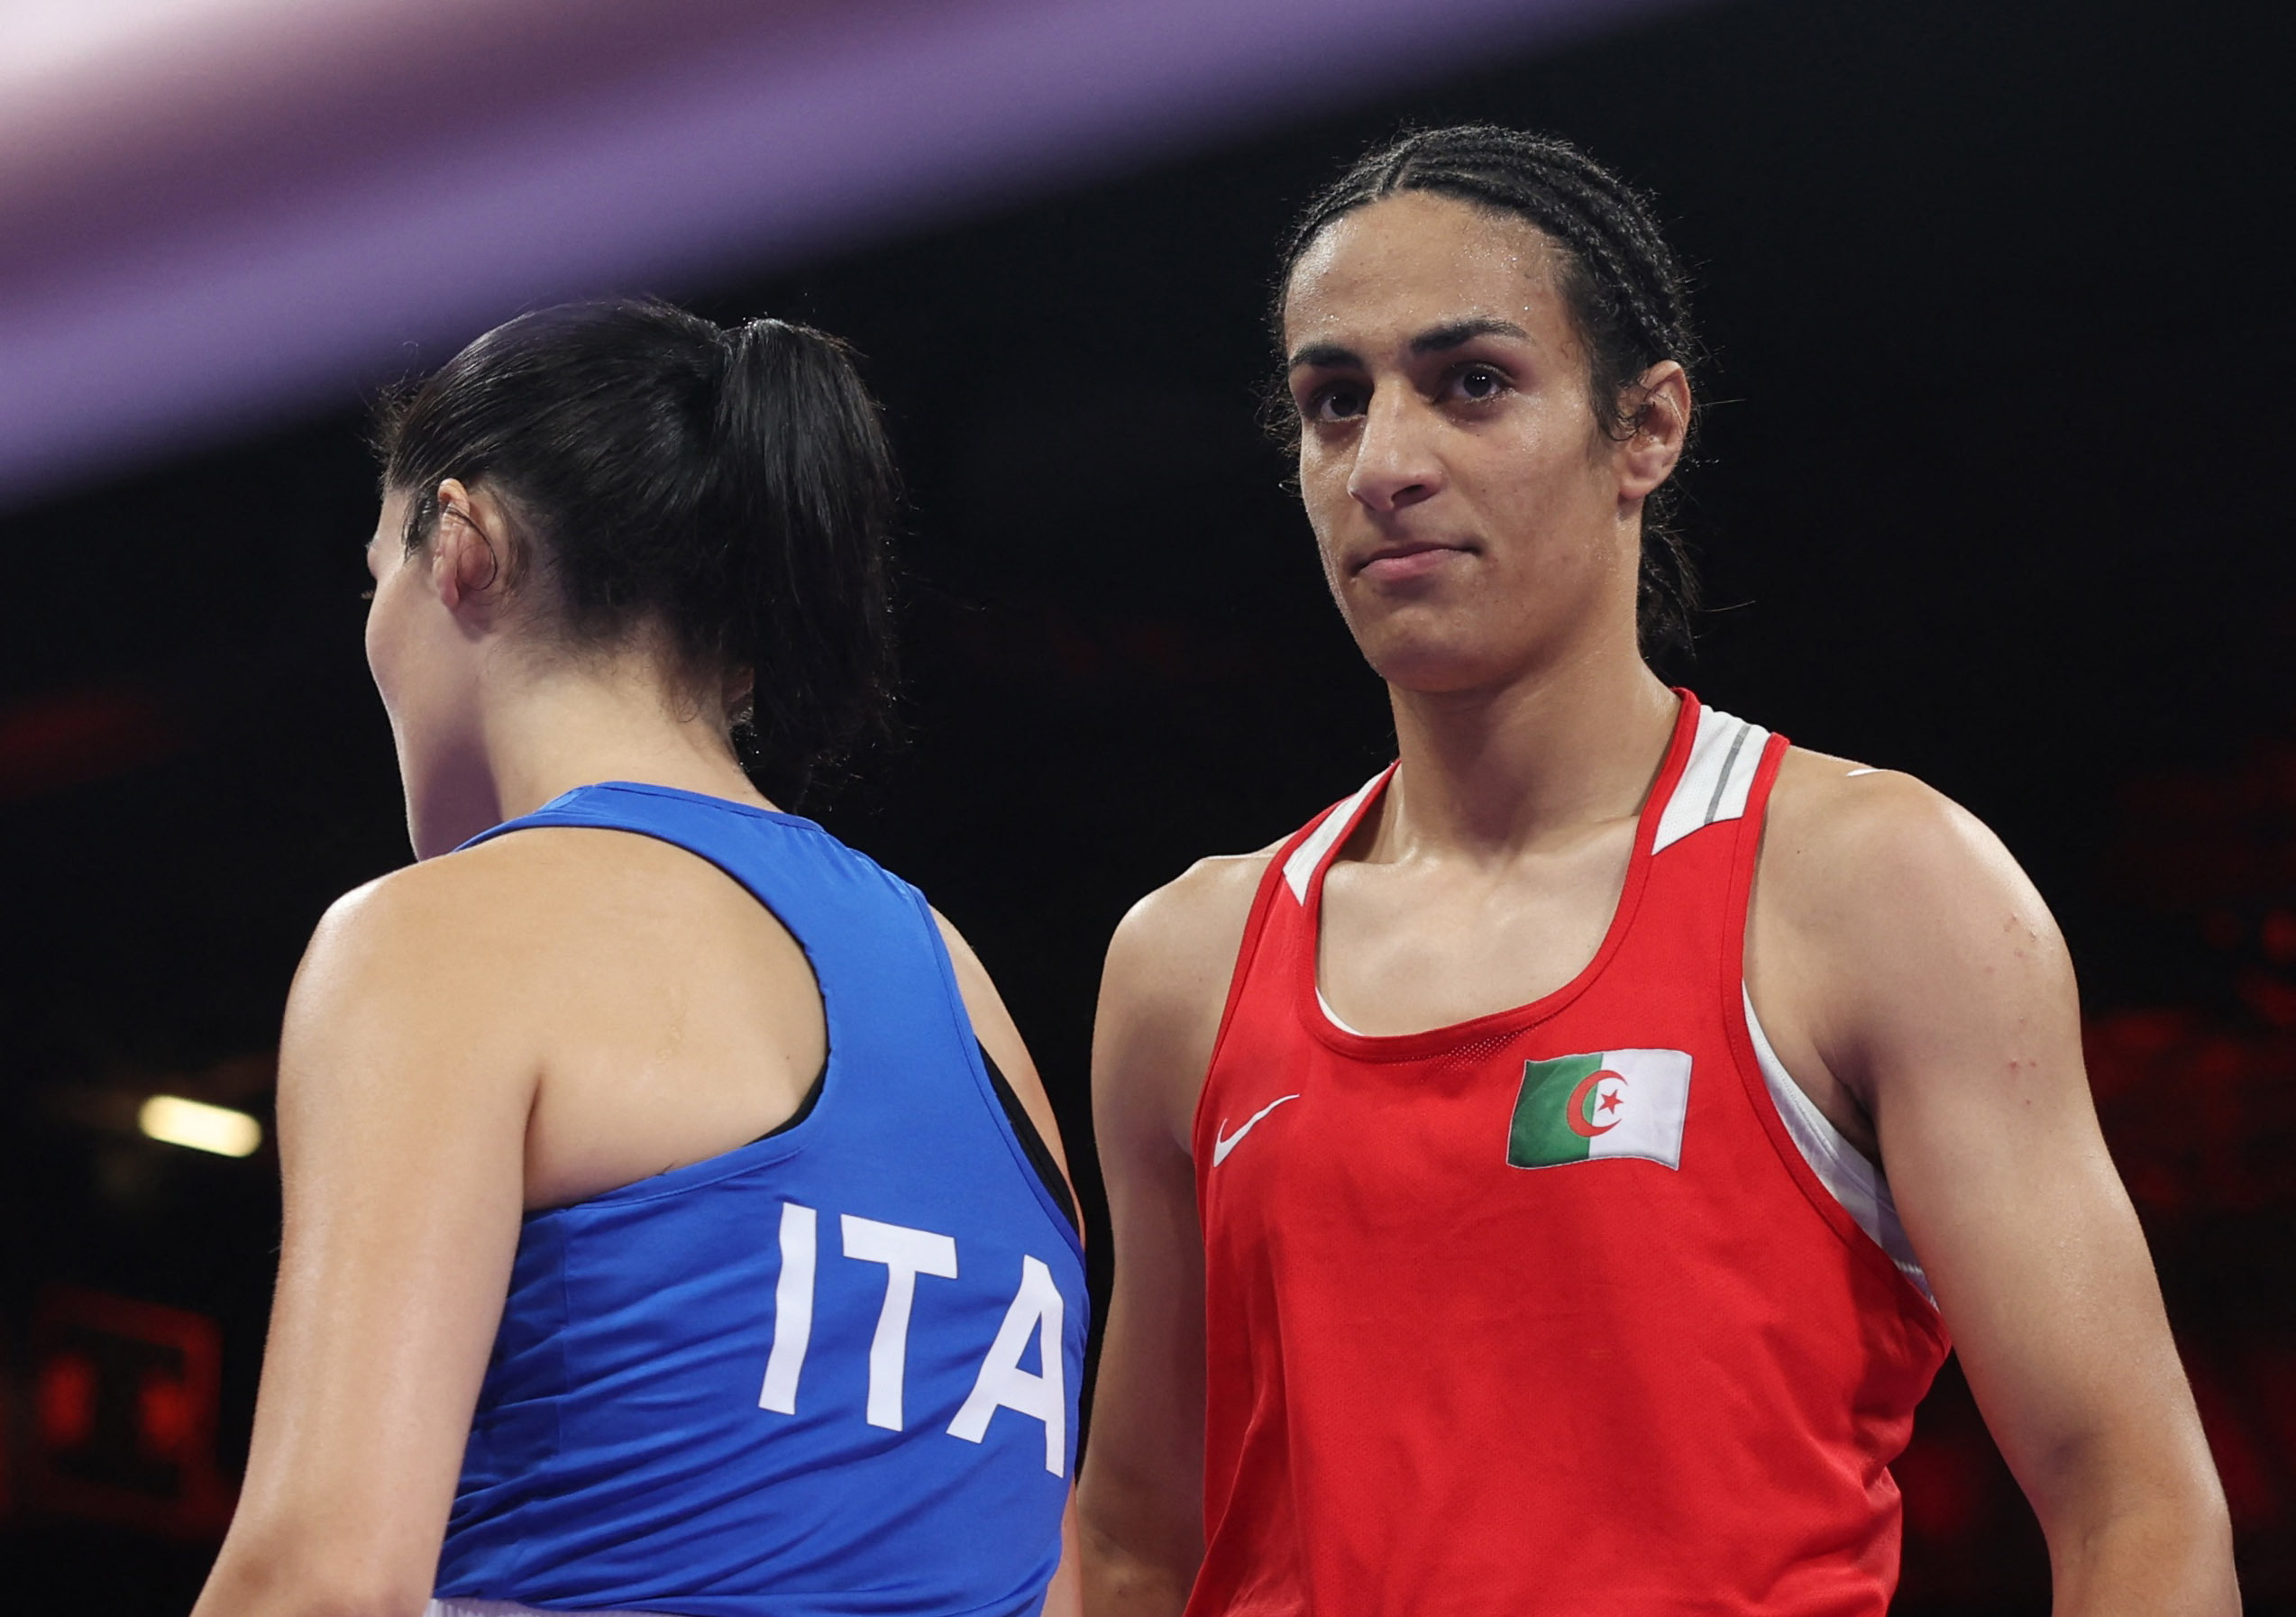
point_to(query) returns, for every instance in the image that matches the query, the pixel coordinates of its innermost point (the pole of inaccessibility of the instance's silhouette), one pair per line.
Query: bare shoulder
(1844, 840)
(427, 955)
(1883, 907)
(411, 924)
(1190, 926)
(1162, 994)
(436, 915)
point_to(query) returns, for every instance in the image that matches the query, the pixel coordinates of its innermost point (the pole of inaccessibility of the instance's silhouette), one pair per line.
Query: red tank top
(1544, 1311)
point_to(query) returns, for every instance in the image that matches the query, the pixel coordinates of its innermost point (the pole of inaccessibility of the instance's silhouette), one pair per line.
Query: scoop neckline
(1405, 1046)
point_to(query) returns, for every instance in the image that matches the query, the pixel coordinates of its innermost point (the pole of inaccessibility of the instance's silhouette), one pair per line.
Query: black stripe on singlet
(1024, 1129)
(804, 1108)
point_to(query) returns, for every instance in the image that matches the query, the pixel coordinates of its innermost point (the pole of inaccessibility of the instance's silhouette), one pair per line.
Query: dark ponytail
(731, 490)
(803, 474)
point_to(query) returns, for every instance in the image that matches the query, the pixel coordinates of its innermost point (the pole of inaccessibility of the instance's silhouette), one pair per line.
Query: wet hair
(1624, 290)
(731, 490)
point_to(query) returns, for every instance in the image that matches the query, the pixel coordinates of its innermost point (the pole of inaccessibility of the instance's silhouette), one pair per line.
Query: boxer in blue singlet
(674, 1221)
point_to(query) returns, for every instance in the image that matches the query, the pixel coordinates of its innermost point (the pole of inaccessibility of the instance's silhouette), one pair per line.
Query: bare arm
(1919, 970)
(402, 1121)
(1161, 997)
(1065, 1597)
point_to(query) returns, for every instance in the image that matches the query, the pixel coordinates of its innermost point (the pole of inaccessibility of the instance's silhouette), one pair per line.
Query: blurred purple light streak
(204, 229)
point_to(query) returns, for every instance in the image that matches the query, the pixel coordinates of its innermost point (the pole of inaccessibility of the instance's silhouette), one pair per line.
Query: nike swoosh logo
(1222, 1143)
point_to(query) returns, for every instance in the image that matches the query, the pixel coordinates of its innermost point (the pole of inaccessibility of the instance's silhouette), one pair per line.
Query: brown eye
(1479, 382)
(1338, 403)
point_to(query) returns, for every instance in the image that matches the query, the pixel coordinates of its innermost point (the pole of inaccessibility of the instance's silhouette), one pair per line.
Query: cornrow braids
(1625, 290)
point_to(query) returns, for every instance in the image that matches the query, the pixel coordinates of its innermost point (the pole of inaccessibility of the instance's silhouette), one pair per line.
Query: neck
(1491, 772)
(542, 733)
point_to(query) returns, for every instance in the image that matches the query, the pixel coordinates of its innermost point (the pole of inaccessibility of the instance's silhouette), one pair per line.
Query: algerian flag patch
(1613, 1104)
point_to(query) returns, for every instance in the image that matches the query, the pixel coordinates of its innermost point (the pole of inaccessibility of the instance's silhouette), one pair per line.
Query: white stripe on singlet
(1855, 1181)
(1716, 779)
(1299, 869)
(1332, 1016)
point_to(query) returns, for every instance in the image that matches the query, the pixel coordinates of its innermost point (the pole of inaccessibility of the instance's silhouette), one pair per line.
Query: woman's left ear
(1648, 457)
(470, 548)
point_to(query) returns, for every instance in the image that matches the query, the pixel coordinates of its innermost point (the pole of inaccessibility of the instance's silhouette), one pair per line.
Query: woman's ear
(470, 548)
(1647, 457)
(739, 692)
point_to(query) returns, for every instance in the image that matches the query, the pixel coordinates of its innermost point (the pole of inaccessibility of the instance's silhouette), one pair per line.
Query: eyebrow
(1437, 338)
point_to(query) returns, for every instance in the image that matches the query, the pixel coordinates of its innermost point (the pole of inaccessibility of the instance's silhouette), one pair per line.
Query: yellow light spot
(199, 1126)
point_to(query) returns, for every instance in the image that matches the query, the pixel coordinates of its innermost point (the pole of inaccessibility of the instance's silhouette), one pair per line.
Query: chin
(1438, 669)
(1479, 643)
(1414, 648)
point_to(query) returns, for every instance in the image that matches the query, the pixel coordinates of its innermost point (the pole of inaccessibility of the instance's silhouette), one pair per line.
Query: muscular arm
(1141, 1504)
(402, 1121)
(1913, 966)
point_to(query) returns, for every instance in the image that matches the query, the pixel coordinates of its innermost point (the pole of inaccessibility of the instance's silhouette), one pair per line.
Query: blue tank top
(833, 1372)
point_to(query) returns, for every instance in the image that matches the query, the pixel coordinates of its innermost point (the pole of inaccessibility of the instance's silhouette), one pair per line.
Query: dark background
(1992, 488)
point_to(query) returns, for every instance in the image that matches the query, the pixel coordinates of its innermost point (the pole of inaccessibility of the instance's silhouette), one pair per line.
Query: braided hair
(1622, 286)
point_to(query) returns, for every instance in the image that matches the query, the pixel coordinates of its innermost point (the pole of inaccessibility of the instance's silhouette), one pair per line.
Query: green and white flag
(1613, 1104)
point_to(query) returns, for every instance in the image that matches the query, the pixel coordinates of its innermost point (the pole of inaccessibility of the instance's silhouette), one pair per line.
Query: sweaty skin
(524, 1025)
(1480, 531)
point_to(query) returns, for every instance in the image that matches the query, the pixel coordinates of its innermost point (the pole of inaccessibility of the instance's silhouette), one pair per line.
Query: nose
(1396, 465)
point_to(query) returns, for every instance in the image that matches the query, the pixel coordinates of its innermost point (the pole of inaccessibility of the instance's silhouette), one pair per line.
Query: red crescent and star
(1577, 1113)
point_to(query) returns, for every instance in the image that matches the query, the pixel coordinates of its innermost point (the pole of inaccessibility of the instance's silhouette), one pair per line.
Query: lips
(1406, 559)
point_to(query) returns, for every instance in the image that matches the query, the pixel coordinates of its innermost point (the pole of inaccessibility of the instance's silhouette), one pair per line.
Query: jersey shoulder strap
(1286, 881)
(1717, 781)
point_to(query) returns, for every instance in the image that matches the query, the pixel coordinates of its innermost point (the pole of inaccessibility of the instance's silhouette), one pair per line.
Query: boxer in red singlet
(1548, 1182)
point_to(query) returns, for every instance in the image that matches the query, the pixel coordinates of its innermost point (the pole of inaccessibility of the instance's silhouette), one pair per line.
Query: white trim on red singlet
(1719, 775)
(1847, 1172)
(1299, 869)
(1332, 1016)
